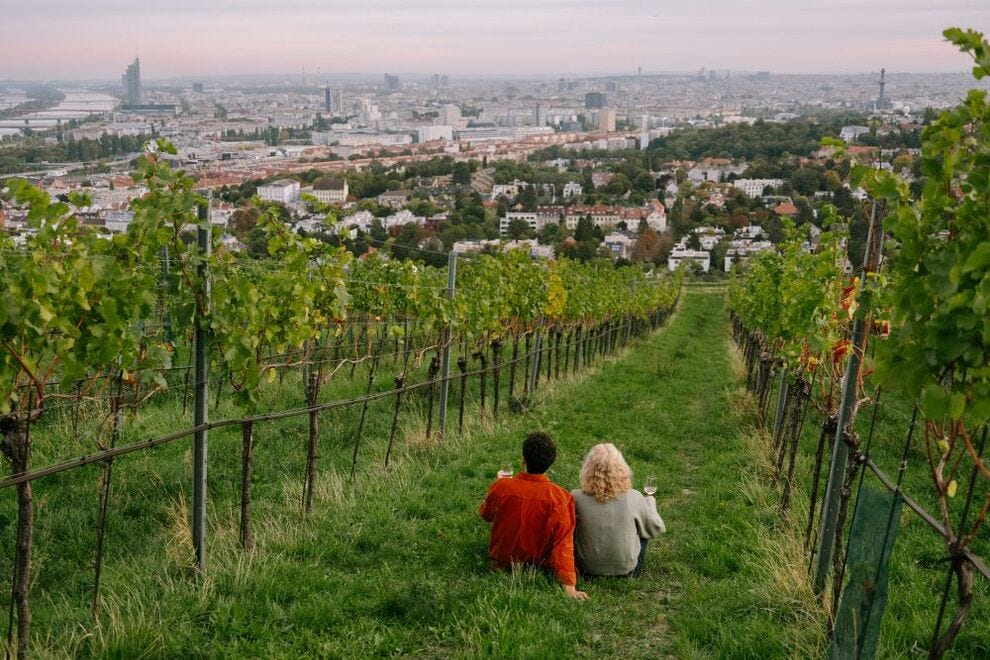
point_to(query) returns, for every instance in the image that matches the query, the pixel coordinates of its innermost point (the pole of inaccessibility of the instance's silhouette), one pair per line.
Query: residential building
(284, 191)
(403, 217)
(709, 237)
(118, 221)
(850, 133)
(619, 245)
(714, 169)
(755, 187)
(431, 133)
(450, 115)
(606, 119)
(361, 220)
(741, 251)
(395, 198)
(541, 114)
(330, 190)
(682, 254)
(786, 208)
(572, 189)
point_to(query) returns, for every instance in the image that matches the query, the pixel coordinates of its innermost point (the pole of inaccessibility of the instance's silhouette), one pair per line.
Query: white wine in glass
(651, 486)
(505, 471)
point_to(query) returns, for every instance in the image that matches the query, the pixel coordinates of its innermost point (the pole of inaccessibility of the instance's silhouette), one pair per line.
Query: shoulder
(634, 496)
(558, 493)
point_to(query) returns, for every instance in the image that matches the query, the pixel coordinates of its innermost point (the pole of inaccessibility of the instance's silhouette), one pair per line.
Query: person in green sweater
(614, 522)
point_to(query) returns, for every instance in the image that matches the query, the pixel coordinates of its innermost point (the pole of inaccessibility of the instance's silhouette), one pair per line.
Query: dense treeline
(762, 140)
(34, 150)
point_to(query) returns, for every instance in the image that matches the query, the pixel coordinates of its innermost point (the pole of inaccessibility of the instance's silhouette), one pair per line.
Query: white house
(118, 221)
(572, 189)
(403, 217)
(285, 191)
(708, 237)
(850, 133)
(680, 255)
(741, 251)
(755, 187)
(361, 220)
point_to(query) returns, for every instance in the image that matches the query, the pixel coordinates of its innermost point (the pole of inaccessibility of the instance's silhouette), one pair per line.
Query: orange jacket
(533, 524)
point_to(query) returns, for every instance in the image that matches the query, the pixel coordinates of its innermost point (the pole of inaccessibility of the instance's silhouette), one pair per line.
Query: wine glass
(651, 486)
(505, 471)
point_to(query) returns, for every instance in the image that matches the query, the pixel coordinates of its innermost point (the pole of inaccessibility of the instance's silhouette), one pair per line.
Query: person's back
(532, 518)
(609, 535)
(614, 522)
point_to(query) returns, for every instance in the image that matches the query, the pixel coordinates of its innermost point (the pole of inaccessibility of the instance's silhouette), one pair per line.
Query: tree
(242, 221)
(805, 181)
(527, 197)
(462, 173)
(518, 228)
(585, 229)
(647, 246)
(550, 233)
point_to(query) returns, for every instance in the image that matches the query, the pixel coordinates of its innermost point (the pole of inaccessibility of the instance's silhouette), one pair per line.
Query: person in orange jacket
(533, 518)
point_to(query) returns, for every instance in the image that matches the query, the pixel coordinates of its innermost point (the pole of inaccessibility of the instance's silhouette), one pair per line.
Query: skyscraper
(882, 101)
(329, 101)
(391, 83)
(606, 119)
(541, 114)
(337, 101)
(131, 82)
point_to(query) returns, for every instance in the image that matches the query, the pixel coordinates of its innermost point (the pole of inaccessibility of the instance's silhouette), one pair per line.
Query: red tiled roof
(785, 208)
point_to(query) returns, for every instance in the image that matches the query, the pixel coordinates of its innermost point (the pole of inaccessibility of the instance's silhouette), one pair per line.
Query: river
(76, 105)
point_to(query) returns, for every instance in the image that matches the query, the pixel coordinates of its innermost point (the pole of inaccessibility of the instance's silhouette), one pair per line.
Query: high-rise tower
(882, 101)
(131, 82)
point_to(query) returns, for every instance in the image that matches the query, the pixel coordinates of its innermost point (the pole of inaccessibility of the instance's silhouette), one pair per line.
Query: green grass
(395, 563)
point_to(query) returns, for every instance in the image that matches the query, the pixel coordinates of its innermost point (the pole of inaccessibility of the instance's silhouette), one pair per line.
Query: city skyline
(212, 38)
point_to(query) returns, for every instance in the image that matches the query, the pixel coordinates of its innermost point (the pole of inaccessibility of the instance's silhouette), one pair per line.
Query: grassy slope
(397, 565)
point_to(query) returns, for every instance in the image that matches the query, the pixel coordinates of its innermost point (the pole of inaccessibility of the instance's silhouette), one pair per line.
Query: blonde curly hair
(605, 475)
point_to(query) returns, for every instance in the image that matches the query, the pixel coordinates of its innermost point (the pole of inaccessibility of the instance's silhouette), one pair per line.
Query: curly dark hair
(539, 451)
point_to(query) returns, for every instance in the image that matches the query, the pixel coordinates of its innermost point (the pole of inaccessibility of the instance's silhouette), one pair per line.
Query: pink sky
(96, 39)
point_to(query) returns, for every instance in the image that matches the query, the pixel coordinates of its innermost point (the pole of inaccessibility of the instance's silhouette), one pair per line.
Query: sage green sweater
(607, 537)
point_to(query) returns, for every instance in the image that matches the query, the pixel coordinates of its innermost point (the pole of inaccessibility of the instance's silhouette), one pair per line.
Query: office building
(131, 82)
(594, 101)
(391, 83)
(198, 88)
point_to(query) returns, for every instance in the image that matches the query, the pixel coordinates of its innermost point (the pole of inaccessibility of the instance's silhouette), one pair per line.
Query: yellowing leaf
(272, 376)
(950, 490)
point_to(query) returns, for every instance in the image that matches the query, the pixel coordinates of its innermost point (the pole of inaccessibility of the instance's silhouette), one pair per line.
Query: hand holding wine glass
(651, 486)
(506, 471)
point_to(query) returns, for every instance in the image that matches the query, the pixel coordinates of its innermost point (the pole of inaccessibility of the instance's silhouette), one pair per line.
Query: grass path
(397, 566)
